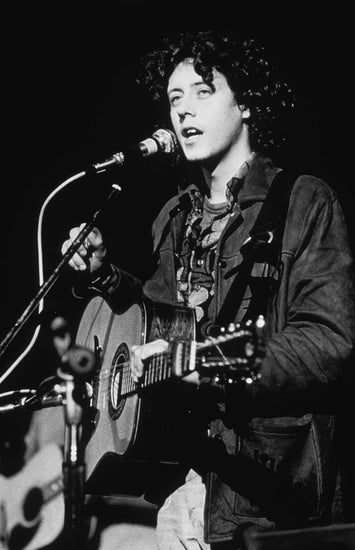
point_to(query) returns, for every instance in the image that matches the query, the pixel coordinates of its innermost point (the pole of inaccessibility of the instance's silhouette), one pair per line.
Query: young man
(268, 459)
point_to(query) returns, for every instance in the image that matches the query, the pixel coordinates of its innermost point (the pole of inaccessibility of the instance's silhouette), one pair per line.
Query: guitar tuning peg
(231, 327)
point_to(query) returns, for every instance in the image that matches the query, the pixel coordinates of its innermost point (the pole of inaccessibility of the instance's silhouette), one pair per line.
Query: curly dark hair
(243, 62)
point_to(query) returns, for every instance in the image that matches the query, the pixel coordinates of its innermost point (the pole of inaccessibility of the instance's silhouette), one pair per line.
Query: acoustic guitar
(32, 502)
(121, 422)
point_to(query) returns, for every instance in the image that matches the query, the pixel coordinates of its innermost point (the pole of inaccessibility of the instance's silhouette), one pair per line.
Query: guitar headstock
(233, 355)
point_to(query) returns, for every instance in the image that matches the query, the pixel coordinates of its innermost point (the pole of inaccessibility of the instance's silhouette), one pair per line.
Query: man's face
(208, 122)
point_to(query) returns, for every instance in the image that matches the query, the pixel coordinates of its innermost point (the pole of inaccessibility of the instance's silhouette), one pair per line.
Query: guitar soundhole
(118, 378)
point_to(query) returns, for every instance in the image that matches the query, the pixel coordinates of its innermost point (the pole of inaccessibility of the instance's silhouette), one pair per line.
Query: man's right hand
(91, 253)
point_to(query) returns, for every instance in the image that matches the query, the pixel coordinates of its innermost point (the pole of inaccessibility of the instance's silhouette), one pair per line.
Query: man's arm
(306, 362)
(100, 275)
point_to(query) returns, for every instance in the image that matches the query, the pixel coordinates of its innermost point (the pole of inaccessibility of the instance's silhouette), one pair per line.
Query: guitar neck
(178, 360)
(53, 488)
(184, 356)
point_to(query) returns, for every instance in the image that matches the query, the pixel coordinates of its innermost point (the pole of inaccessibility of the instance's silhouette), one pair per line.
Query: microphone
(45, 396)
(162, 141)
(36, 402)
(78, 362)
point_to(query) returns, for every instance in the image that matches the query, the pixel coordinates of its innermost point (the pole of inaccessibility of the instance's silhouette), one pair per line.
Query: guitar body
(120, 428)
(32, 502)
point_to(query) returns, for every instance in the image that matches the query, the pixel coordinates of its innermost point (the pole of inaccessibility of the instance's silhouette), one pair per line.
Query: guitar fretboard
(181, 358)
(178, 360)
(52, 489)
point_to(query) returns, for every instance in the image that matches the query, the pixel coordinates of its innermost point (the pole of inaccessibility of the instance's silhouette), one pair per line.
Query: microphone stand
(69, 393)
(70, 390)
(73, 464)
(47, 285)
(78, 363)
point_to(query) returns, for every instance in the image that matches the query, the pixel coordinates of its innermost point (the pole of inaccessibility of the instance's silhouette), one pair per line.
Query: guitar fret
(160, 378)
(160, 363)
(155, 370)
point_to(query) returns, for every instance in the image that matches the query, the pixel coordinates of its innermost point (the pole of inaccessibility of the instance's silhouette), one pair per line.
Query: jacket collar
(256, 183)
(253, 188)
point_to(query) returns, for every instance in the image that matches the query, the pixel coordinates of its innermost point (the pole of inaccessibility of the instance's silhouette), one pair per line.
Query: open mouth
(189, 133)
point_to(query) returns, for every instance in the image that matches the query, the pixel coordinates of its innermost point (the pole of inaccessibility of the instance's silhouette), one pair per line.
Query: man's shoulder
(314, 186)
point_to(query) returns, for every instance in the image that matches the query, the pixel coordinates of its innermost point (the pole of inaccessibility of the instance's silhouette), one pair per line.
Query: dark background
(68, 100)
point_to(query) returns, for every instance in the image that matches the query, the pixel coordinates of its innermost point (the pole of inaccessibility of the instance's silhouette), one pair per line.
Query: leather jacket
(279, 430)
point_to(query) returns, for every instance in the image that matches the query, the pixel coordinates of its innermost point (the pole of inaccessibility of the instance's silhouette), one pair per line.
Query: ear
(245, 111)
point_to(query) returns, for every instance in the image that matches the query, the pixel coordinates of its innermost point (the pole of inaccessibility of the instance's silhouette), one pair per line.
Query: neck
(218, 177)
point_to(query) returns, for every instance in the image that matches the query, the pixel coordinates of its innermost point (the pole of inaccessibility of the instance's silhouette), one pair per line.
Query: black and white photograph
(177, 327)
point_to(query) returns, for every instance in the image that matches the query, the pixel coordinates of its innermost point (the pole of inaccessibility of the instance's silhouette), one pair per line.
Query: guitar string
(157, 371)
(151, 375)
(210, 344)
(125, 370)
(160, 356)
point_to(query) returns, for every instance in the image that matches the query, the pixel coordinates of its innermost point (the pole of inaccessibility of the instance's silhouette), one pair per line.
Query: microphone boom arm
(48, 284)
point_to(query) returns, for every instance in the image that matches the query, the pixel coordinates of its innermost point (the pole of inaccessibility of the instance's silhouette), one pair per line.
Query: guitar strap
(263, 244)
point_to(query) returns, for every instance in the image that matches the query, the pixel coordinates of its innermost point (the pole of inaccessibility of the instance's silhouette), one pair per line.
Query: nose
(186, 107)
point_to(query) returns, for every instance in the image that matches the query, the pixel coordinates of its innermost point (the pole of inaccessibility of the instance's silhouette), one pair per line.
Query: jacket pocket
(283, 463)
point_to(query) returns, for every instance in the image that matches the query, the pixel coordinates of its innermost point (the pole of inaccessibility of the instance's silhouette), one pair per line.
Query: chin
(193, 158)
(209, 161)
(197, 156)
